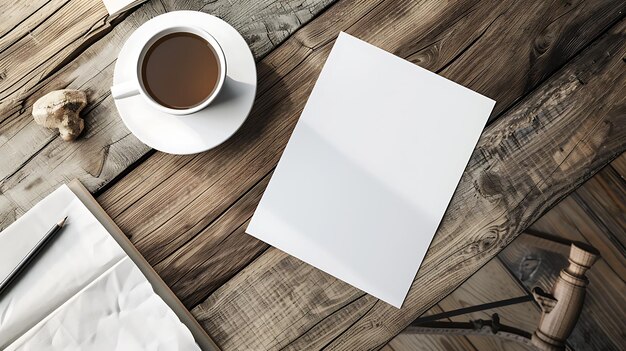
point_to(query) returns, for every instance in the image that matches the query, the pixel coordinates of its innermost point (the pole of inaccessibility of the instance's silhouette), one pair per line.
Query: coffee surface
(180, 70)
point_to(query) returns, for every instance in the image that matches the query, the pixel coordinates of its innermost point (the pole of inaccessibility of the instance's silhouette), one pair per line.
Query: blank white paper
(370, 168)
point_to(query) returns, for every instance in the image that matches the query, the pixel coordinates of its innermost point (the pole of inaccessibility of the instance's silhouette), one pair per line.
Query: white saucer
(209, 127)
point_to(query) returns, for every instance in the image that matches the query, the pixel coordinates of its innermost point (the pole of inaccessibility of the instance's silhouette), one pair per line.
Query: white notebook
(370, 168)
(89, 289)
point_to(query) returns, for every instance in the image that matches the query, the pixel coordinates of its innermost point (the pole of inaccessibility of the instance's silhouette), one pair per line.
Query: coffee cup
(179, 70)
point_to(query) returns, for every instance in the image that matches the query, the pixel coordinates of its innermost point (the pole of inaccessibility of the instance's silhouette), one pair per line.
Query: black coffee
(180, 70)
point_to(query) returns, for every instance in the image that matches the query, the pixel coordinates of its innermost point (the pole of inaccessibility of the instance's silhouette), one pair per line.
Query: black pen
(31, 254)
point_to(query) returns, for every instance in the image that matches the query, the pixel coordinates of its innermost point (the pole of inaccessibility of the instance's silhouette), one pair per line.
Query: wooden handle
(561, 308)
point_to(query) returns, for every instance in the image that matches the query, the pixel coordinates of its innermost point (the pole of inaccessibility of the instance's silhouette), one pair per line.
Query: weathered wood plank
(203, 265)
(620, 166)
(40, 37)
(423, 342)
(524, 163)
(604, 199)
(35, 161)
(327, 298)
(332, 325)
(414, 342)
(13, 13)
(537, 261)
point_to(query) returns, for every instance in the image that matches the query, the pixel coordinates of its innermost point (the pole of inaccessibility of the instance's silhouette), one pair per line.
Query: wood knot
(543, 43)
(33, 183)
(487, 241)
(424, 57)
(490, 239)
(490, 184)
(528, 266)
(376, 323)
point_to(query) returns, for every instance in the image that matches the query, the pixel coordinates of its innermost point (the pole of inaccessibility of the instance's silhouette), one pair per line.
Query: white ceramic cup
(135, 85)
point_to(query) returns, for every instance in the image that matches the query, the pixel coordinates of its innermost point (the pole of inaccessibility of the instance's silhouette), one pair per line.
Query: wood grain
(258, 328)
(204, 263)
(493, 282)
(19, 12)
(38, 38)
(620, 166)
(188, 213)
(424, 342)
(414, 342)
(34, 160)
(524, 163)
(537, 262)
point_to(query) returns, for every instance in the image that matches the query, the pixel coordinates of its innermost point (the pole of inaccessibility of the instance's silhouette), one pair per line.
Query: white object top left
(82, 292)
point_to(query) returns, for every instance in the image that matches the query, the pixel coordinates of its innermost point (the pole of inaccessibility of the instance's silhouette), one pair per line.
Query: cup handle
(124, 90)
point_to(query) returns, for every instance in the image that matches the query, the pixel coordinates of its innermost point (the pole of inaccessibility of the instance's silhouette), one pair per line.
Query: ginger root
(60, 109)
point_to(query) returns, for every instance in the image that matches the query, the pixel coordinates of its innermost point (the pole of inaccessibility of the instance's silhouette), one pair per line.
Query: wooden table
(557, 70)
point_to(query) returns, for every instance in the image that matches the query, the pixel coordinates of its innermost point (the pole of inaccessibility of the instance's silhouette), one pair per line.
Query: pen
(31, 255)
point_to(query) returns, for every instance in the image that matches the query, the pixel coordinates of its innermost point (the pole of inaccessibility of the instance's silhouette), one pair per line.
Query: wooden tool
(561, 308)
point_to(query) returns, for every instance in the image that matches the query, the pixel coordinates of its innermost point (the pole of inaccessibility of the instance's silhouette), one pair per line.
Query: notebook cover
(159, 286)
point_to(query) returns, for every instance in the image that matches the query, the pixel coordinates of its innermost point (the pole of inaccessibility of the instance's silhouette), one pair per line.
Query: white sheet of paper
(370, 168)
(82, 292)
